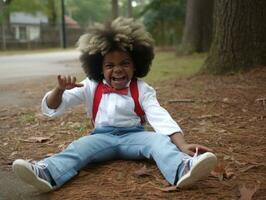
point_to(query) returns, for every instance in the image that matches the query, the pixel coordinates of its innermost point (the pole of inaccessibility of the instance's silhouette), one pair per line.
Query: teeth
(116, 79)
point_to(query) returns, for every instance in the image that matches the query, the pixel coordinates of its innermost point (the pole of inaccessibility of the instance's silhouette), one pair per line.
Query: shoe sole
(23, 170)
(199, 171)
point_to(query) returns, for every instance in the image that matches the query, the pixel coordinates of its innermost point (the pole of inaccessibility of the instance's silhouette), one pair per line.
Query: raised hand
(54, 99)
(67, 82)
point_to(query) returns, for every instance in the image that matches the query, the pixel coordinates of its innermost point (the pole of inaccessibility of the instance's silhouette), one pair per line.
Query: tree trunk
(129, 8)
(3, 35)
(114, 9)
(3, 27)
(239, 38)
(52, 12)
(197, 34)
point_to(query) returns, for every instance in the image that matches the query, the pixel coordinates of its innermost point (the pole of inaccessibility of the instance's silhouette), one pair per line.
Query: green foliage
(168, 10)
(85, 11)
(164, 19)
(52, 9)
(27, 118)
(22, 6)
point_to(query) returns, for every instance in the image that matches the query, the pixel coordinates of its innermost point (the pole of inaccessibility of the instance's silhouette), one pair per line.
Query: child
(113, 56)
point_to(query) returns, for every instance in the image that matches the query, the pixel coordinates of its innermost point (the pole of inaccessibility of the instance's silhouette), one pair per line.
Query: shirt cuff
(176, 132)
(49, 111)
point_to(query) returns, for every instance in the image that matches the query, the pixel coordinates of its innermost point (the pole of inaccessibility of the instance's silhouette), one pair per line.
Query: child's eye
(125, 63)
(108, 66)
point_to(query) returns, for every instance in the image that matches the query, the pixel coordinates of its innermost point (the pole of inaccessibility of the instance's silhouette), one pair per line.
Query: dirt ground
(226, 113)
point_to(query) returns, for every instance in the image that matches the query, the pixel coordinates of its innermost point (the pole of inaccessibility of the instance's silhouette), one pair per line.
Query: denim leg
(92, 148)
(152, 146)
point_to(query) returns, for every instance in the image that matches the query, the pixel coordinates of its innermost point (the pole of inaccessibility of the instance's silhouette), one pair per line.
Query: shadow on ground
(11, 188)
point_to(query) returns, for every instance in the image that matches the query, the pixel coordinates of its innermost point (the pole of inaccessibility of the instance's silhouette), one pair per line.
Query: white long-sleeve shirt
(116, 110)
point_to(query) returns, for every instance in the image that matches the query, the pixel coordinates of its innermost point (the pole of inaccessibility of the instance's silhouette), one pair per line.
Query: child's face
(118, 68)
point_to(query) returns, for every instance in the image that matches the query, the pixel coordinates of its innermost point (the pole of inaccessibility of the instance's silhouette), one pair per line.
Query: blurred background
(40, 24)
(233, 29)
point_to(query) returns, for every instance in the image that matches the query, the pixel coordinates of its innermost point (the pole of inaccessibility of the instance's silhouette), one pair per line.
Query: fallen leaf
(36, 139)
(62, 147)
(222, 172)
(39, 139)
(225, 99)
(218, 171)
(208, 116)
(169, 189)
(143, 172)
(13, 153)
(246, 193)
(250, 167)
(74, 124)
(227, 157)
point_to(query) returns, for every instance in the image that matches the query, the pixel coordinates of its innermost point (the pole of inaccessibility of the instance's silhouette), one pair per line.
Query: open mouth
(118, 78)
(119, 82)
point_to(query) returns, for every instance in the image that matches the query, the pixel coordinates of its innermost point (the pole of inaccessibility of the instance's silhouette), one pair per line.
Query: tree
(50, 8)
(52, 12)
(163, 19)
(115, 9)
(197, 33)
(86, 12)
(239, 36)
(8, 6)
(129, 8)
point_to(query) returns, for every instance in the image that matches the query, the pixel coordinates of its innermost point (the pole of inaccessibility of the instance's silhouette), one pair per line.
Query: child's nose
(118, 68)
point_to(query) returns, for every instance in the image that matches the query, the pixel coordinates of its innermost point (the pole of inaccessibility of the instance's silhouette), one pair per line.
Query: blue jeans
(110, 143)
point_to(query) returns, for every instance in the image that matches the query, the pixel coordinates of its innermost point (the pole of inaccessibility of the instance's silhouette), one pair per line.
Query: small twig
(181, 101)
(263, 100)
(208, 116)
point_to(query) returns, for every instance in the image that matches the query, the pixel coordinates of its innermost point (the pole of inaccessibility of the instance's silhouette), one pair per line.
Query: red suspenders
(97, 99)
(134, 93)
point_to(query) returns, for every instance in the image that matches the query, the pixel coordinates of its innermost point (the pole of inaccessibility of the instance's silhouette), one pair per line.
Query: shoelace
(38, 169)
(188, 162)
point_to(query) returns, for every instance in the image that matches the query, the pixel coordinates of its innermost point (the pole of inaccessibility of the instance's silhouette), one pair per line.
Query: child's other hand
(190, 149)
(67, 82)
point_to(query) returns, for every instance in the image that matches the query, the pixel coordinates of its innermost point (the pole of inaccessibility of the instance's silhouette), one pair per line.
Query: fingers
(203, 149)
(192, 149)
(67, 82)
(190, 153)
(79, 85)
(61, 82)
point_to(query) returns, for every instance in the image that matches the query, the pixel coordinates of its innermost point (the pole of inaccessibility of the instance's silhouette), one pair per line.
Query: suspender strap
(134, 93)
(97, 99)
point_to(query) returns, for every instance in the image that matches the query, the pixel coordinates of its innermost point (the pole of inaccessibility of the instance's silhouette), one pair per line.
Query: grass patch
(168, 65)
(27, 118)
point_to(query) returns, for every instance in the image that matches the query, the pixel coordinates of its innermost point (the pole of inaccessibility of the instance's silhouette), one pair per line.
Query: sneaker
(33, 174)
(196, 168)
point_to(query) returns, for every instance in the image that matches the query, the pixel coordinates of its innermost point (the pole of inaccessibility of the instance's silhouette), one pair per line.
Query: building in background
(33, 31)
(26, 26)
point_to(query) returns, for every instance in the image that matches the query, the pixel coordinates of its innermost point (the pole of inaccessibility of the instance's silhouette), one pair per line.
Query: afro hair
(124, 34)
